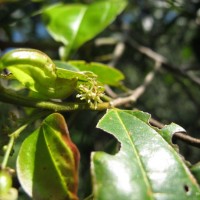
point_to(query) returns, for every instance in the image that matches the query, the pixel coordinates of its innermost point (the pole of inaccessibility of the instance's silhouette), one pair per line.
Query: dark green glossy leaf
(146, 167)
(74, 24)
(47, 163)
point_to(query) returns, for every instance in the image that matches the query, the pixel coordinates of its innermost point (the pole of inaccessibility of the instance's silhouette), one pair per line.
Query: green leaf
(88, 87)
(69, 74)
(74, 24)
(31, 67)
(105, 74)
(195, 169)
(47, 164)
(168, 131)
(37, 72)
(64, 65)
(146, 167)
(43, 86)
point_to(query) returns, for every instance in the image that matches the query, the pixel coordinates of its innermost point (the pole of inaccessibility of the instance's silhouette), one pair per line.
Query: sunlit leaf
(106, 74)
(74, 24)
(146, 167)
(65, 65)
(47, 163)
(37, 72)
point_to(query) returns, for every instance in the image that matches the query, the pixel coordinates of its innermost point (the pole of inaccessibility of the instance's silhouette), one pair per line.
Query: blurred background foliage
(169, 28)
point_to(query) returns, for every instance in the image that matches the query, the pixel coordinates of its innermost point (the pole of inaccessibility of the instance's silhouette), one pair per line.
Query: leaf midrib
(81, 17)
(53, 160)
(137, 156)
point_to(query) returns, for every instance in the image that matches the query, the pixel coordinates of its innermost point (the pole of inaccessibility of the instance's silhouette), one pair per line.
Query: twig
(13, 136)
(188, 139)
(156, 123)
(135, 94)
(157, 57)
(7, 153)
(163, 61)
(178, 135)
(118, 51)
(147, 51)
(110, 92)
(8, 96)
(106, 41)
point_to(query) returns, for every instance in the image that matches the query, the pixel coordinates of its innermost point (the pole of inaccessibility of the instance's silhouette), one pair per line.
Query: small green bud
(5, 182)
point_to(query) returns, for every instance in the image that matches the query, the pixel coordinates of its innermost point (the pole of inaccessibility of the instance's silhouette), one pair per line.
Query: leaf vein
(147, 181)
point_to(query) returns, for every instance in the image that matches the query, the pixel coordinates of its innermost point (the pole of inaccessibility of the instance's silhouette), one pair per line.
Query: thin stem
(13, 136)
(7, 153)
(9, 96)
(188, 139)
(106, 98)
(176, 71)
(135, 94)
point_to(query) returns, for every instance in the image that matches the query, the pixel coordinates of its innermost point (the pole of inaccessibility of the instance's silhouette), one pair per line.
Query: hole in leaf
(108, 143)
(174, 140)
(186, 188)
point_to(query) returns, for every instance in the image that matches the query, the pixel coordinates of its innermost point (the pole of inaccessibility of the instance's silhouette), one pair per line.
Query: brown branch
(163, 61)
(188, 139)
(165, 64)
(156, 123)
(110, 92)
(147, 51)
(114, 57)
(135, 94)
(118, 51)
(106, 41)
